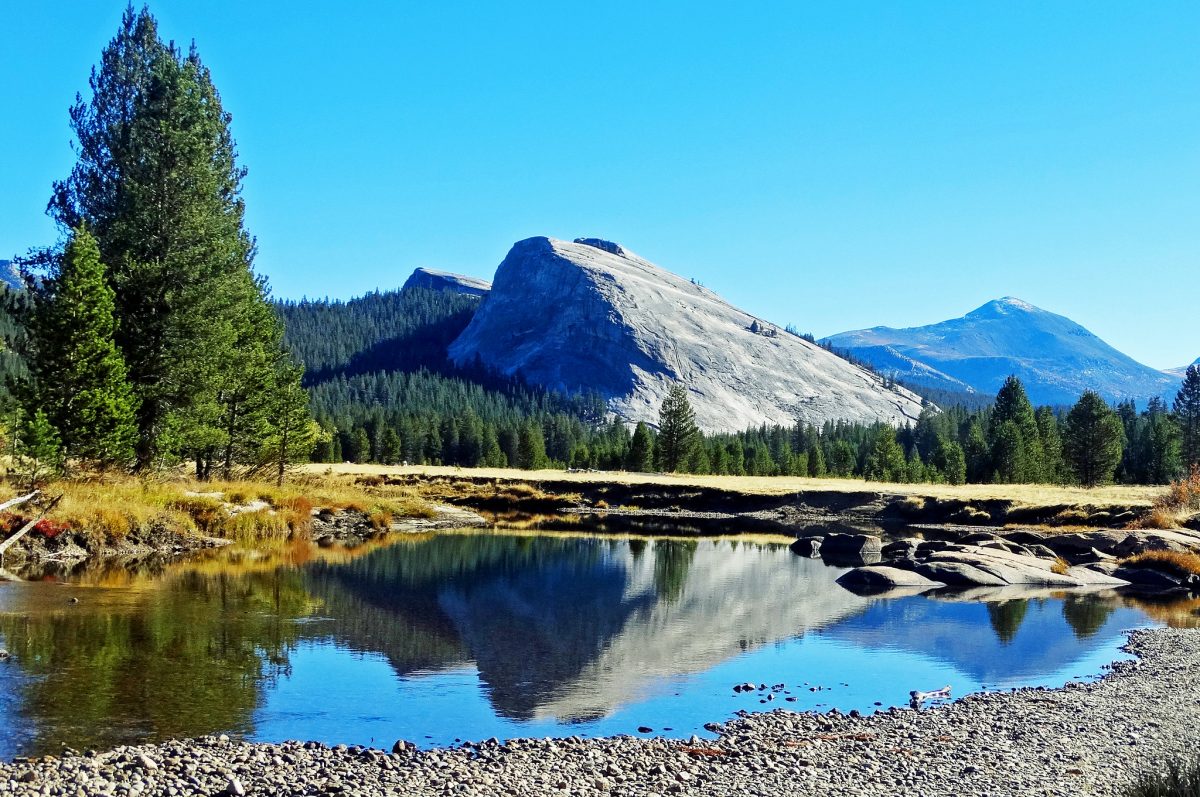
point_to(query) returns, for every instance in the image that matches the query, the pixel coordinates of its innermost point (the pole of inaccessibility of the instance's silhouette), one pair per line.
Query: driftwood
(21, 532)
(20, 499)
(916, 697)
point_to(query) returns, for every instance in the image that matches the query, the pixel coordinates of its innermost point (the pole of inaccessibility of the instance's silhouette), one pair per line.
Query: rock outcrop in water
(434, 280)
(592, 316)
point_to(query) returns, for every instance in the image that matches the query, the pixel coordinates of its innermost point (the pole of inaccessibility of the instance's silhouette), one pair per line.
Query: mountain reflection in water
(469, 635)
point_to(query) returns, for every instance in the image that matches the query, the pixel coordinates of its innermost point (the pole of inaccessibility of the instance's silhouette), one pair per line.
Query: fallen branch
(10, 503)
(4, 546)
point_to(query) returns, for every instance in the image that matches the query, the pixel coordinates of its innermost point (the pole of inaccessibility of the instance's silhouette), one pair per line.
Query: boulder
(901, 549)
(1010, 568)
(851, 544)
(1076, 543)
(1088, 577)
(957, 574)
(809, 547)
(880, 578)
(1143, 578)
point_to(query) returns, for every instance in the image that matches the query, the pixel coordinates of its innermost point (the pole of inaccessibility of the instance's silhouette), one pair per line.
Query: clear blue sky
(833, 165)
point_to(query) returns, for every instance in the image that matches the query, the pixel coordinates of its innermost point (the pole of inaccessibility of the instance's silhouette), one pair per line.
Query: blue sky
(832, 165)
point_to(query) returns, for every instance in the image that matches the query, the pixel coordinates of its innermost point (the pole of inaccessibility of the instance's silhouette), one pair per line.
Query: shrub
(1060, 566)
(1177, 780)
(1181, 564)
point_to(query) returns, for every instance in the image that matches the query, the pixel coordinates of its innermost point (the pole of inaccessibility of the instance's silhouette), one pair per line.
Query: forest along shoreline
(1082, 738)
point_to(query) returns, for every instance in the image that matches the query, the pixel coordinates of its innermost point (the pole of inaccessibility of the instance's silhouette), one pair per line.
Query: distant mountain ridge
(9, 275)
(590, 315)
(434, 280)
(1056, 358)
(1181, 371)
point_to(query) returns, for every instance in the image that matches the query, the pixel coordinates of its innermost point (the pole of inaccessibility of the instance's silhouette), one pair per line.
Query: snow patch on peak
(1003, 307)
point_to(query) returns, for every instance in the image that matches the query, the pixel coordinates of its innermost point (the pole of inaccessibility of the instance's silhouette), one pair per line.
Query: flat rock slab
(881, 578)
(958, 574)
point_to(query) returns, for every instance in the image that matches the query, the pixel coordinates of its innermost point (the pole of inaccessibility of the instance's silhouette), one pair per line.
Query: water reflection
(470, 635)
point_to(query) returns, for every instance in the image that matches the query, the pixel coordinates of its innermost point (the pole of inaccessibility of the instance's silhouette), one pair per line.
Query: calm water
(473, 635)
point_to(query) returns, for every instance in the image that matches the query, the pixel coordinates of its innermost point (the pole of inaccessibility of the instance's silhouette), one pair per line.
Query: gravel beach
(1085, 739)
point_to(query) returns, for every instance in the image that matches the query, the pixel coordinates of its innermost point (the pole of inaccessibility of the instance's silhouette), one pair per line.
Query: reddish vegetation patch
(48, 528)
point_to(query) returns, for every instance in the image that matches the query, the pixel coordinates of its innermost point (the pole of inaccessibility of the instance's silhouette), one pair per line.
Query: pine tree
(1051, 440)
(531, 448)
(1012, 407)
(977, 452)
(1093, 441)
(359, 448)
(816, 461)
(641, 450)
(77, 375)
(950, 461)
(291, 431)
(157, 183)
(390, 447)
(37, 450)
(886, 461)
(1163, 460)
(1187, 415)
(677, 431)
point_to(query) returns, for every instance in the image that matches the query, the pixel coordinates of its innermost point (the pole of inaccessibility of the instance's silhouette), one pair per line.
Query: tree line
(1007, 442)
(146, 335)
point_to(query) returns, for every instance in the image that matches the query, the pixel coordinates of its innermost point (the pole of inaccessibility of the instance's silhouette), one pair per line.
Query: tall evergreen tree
(157, 183)
(1093, 441)
(291, 432)
(1023, 456)
(886, 461)
(1161, 444)
(531, 447)
(641, 450)
(77, 375)
(678, 434)
(1051, 443)
(1187, 414)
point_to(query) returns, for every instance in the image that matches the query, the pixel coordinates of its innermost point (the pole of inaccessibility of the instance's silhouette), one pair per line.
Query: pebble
(1057, 743)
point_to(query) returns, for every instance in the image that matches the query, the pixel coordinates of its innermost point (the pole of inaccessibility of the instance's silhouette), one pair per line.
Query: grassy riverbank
(107, 511)
(1030, 494)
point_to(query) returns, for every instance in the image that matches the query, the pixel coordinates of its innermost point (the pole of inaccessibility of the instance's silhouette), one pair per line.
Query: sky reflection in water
(467, 636)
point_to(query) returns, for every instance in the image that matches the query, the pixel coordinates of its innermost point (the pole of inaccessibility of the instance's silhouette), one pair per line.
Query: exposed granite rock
(881, 578)
(591, 315)
(434, 280)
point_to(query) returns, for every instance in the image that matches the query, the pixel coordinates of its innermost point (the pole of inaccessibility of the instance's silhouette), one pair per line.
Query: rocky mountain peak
(434, 280)
(590, 315)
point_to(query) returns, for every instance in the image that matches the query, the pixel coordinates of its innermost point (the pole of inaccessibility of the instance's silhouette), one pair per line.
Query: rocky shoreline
(1091, 738)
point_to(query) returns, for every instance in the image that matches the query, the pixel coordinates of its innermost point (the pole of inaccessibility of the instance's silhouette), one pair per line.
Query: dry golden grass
(114, 507)
(1181, 564)
(1172, 509)
(1060, 566)
(1027, 494)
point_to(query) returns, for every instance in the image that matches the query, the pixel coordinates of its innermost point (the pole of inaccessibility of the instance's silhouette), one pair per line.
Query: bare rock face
(434, 280)
(591, 315)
